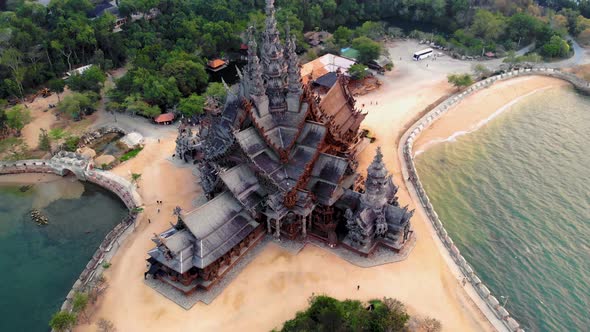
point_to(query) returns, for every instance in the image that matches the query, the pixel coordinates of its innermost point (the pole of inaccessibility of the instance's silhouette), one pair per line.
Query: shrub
(71, 143)
(130, 154)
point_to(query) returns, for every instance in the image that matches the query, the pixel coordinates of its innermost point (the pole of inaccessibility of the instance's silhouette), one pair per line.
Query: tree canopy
(17, 117)
(62, 321)
(328, 314)
(460, 80)
(367, 48)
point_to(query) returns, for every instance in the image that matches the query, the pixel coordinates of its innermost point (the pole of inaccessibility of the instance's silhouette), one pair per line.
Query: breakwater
(488, 303)
(64, 163)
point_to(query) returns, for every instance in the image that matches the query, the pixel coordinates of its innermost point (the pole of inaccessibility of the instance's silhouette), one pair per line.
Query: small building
(104, 7)
(78, 71)
(166, 118)
(328, 63)
(381, 64)
(217, 64)
(315, 38)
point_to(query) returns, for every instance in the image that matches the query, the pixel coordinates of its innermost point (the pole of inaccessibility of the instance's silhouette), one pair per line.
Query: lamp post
(505, 299)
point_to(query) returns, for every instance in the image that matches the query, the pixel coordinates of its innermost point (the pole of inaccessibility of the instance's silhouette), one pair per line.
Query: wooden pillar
(268, 225)
(304, 226)
(278, 229)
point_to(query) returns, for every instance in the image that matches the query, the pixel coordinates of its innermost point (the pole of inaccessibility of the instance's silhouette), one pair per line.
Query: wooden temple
(278, 160)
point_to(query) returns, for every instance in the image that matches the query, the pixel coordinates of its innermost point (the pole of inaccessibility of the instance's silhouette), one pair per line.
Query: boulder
(132, 140)
(87, 152)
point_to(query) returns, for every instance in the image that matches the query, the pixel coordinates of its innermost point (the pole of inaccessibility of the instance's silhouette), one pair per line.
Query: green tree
(71, 143)
(77, 105)
(358, 71)
(192, 105)
(62, 321)
(137, 106)
(13, 59)
(368, 49)
(17, 117)
(460, 80)
(217, 91)
(90, 80)
(79, 304)
(44, 141)
(57, 85)
(556, 47)
(488, 25)
(373, 30)
(190, 76)
(343, 36)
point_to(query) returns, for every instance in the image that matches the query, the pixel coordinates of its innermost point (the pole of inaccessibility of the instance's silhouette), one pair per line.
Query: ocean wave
(478, 125)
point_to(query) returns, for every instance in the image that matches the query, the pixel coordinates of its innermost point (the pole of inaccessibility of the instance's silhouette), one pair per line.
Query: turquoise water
(40, 264)
(515, 198)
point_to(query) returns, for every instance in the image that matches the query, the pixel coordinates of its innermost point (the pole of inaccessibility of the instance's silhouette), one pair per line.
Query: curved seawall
(64, 163)
(480, 294)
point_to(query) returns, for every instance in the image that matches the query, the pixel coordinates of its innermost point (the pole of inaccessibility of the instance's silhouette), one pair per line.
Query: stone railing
(500, 314)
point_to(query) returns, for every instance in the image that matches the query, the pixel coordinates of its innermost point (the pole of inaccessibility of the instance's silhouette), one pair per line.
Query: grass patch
(57, 133)
(130, 154)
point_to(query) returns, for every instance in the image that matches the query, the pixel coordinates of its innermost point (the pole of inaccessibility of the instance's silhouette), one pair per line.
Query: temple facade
(278, 160)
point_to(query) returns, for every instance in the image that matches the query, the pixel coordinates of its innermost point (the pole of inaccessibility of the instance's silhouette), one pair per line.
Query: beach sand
(478, 109)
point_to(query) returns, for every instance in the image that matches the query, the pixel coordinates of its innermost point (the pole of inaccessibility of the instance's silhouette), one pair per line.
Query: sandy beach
(481, 107)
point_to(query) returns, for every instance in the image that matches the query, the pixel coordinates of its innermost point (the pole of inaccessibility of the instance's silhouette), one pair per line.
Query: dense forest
(166, 54)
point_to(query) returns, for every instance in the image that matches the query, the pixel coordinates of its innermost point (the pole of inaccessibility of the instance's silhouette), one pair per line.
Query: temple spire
(376, 183)
(294, 73)
(273, 61)
(254, 70)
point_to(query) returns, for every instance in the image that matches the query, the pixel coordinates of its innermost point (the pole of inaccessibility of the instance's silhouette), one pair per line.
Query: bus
(425, 53)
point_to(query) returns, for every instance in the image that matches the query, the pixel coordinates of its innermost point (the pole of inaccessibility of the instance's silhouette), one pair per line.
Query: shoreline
(440, 120)
(28, 178)
(482, 107)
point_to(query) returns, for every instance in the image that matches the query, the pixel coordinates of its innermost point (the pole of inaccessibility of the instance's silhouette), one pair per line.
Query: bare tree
(106, 326)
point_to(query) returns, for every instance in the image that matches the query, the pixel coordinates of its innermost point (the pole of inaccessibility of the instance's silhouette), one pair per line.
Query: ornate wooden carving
(290, 199)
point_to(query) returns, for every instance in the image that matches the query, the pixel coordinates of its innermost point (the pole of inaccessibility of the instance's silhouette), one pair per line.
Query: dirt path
(42, 118)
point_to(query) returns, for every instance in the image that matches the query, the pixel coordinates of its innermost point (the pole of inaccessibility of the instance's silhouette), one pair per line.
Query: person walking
(149, 221)
(358, 287)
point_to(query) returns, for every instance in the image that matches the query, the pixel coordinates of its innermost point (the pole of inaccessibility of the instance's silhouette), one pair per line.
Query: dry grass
(582, 71)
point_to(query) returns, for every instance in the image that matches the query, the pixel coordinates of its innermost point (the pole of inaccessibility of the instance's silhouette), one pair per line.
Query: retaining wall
(413, 179)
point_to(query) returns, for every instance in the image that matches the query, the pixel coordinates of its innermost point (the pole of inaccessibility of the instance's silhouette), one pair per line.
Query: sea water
(39, 264)
(515, 198)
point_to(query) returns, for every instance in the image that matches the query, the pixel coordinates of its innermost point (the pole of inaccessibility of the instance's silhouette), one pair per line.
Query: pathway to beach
(277, 284)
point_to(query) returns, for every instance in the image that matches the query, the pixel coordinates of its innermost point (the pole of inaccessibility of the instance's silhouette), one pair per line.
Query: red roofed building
(216, 64)
(165, 118)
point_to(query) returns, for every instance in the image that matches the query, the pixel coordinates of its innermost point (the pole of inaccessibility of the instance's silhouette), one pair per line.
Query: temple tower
(273, 61)
(376, 185)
